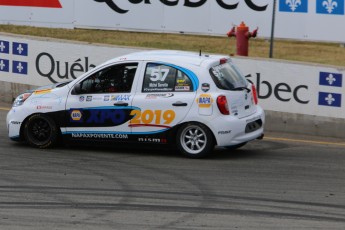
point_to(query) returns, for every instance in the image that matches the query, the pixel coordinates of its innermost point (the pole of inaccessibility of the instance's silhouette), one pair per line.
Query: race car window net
(226, 76)
(114, 79)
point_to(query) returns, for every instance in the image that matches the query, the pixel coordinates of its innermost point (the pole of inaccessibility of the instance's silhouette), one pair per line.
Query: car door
(99, 105)
(166, 96)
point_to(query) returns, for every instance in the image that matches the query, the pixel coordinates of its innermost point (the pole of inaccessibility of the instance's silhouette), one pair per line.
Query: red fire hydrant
(242, 34)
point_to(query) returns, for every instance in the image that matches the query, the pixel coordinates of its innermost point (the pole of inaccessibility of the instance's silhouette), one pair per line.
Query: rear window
(226, 76)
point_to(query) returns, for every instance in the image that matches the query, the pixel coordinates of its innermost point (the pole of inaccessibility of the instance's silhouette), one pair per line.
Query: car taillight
(223, 61)
(222, 104)
(255, 94)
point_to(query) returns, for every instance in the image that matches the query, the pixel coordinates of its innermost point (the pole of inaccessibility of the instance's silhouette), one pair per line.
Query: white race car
(185, 99)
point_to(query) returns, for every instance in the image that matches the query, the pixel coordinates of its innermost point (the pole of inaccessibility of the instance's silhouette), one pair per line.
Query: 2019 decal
(156, 118)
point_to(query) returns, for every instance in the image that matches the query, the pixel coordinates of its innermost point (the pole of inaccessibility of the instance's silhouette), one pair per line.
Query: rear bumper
(229, 130)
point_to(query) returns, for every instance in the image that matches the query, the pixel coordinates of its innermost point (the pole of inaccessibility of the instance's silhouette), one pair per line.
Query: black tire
(234, 147)
(195, 140)
(40, 131)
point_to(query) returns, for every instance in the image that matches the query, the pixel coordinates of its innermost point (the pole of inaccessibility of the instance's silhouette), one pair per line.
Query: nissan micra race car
(185, 99)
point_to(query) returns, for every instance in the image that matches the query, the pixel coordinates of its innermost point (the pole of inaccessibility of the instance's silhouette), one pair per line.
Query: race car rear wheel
(41, 131)
(195, 140)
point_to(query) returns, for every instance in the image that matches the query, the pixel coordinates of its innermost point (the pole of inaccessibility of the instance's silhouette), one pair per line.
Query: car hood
(52, 86)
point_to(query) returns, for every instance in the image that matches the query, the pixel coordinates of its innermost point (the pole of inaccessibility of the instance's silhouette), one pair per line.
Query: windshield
(228, 77)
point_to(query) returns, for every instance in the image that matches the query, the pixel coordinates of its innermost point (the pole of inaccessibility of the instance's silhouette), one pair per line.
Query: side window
(113, 79)
(164, 78)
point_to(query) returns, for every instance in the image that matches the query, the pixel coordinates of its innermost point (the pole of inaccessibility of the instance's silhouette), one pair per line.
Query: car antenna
(200, 53)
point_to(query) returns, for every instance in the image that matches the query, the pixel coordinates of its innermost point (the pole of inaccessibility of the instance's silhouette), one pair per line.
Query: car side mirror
(77, 89)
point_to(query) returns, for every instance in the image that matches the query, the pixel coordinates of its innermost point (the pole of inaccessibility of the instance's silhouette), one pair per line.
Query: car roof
(173, 56)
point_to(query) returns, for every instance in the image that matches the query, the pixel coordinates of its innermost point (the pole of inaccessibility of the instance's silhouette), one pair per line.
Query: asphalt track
(281, 182)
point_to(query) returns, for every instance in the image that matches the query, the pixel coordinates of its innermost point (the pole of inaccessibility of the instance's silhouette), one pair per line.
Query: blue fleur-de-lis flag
(4, 65)
(330, 7)
(20, 67)
(20, 49)
(331, 79)
(330, 99)
(295, 6)
(4, 47)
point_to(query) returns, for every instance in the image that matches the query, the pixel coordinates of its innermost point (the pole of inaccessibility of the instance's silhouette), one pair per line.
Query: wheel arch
(177, 127)
(54, 118)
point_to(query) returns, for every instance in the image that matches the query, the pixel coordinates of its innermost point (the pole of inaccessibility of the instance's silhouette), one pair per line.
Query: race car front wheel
(195, 140)
(41, 131)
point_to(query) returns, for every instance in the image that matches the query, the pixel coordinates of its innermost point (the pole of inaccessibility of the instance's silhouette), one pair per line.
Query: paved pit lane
(281, 182)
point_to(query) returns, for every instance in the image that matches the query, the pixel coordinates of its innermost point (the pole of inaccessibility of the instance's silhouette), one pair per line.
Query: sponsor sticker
(205, 100)
(100, 135)
(182, 88)
(159, 95)
(152, 140)
(44, 107)
(120, 97)
(76, 115)
(205, 87)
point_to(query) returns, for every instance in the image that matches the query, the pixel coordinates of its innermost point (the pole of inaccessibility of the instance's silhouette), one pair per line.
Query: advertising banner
(318, 20)
(45, 13)
(35, 62)
(297, 88)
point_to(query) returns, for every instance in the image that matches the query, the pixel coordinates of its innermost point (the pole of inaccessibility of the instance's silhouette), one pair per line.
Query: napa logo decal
(99, 116)
(204, 101)
(19, 51)
(76, 115)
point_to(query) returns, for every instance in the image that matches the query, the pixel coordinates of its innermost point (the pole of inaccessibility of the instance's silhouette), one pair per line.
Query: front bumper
(14, 121)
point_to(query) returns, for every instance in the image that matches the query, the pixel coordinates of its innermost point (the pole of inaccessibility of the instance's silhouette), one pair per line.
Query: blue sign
(330, 99)
(20, 49)
(330, 7)
(4, 47)
(331, 79)
(296, 6)
(20, 67)
(4, 65)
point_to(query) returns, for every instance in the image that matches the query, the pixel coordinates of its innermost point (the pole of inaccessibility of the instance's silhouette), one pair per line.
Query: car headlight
(20, 99)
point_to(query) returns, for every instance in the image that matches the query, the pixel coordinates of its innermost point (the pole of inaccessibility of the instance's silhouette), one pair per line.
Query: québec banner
(317, 20)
